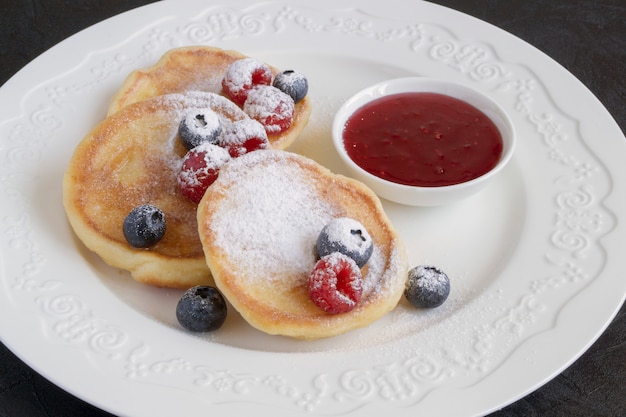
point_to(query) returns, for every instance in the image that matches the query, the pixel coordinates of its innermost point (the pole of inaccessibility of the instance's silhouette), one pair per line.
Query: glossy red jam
(422, 139)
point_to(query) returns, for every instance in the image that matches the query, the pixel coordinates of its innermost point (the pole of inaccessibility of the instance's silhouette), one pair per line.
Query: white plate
(535, 259)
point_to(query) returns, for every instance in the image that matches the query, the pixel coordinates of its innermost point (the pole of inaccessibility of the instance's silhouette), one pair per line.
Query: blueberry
(293, 84)
(427, 286)
(347, 236)
(201, 309)
(144, 226)
(199, 125)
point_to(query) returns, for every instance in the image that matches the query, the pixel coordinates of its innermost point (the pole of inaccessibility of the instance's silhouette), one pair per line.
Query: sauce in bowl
(422, 139)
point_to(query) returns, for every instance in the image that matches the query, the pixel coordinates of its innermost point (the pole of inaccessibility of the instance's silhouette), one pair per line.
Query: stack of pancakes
(133, 156)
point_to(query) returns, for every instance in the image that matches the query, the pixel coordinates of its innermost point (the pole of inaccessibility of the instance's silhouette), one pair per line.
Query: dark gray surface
(587, 37)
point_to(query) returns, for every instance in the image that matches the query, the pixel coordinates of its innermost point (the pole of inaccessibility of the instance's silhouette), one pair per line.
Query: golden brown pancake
(133, 158)
(259, 223)
(198, 68)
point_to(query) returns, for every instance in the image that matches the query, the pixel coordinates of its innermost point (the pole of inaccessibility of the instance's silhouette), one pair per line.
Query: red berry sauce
(422, 139)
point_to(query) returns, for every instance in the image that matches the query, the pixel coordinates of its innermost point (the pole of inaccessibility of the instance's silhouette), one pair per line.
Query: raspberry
(271, 107)
(242, 75)
(335, 284)
(243, 136)
(200, 169)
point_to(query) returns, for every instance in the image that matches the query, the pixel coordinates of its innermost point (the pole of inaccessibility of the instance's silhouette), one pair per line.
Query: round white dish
(534, 259)
(413, 195)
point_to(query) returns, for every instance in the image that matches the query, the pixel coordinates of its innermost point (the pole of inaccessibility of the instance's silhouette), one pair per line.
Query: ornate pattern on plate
(573, 251)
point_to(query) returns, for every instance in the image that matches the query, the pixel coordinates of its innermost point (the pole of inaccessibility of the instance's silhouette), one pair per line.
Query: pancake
(198, 68)
(133, 158)
(259, 224)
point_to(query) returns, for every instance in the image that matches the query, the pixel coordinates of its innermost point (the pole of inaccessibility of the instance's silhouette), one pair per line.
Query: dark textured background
(587, 37)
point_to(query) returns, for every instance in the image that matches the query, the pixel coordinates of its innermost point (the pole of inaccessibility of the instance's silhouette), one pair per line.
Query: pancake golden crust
(132, 158)
(197, 68)
(258, 224)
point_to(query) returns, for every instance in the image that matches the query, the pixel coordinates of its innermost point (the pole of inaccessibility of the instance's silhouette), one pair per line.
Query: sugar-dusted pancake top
(133, 158)
(196, 68)
(259, 223)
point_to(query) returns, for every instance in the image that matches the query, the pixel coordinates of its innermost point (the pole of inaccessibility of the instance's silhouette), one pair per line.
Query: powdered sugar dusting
(271, 219)
(430, 279)
(374, 281)
(202, 121)
(214, 156)
(181, 103)
(238, 132)
(343, 230)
